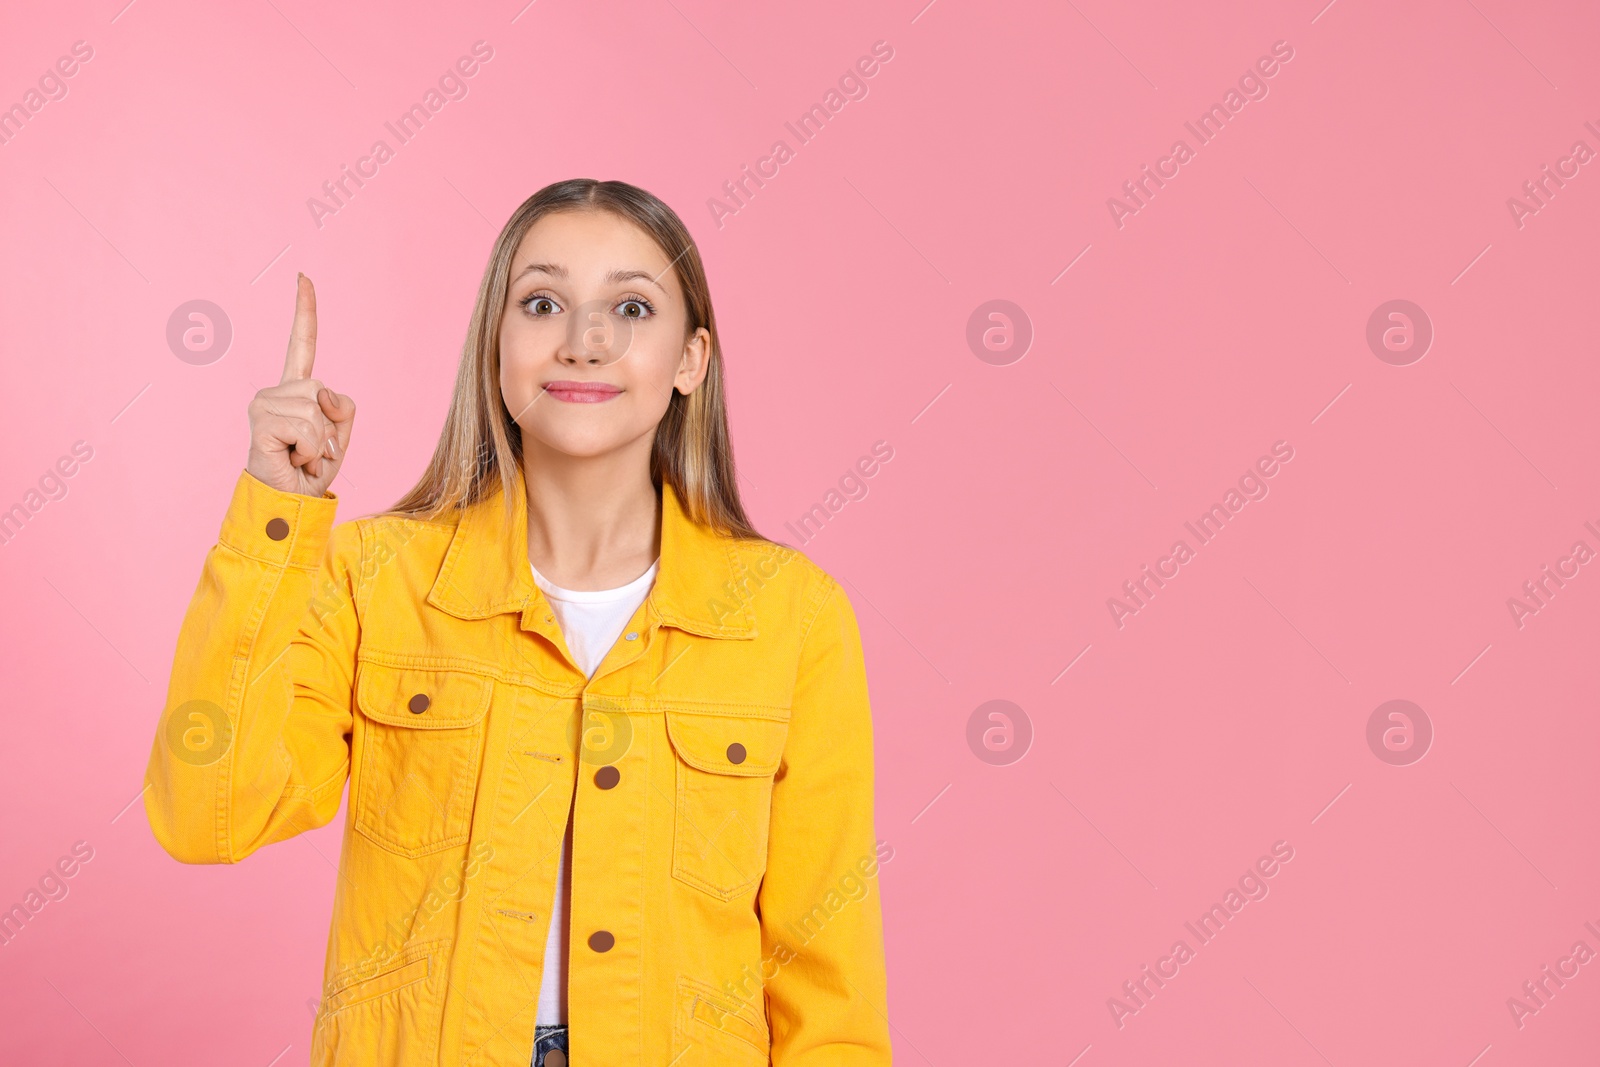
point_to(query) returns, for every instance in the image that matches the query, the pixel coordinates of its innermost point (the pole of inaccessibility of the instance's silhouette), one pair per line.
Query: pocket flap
(387, 982)
(422, 699)
(371, 977)
(703, 1004)
(727, 744)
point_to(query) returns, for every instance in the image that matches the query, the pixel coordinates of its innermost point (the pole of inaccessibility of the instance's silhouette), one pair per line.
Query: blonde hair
(481, 443)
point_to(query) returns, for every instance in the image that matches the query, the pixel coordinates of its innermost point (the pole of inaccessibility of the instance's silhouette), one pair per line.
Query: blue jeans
(549, 1046)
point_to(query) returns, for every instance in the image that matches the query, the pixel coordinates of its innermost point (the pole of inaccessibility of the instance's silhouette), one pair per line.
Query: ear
(695, 362)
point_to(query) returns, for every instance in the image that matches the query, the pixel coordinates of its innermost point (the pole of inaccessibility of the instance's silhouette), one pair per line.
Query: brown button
(736, 753)
(601, 941)
(277, 529)
(419, 703)
(555, 1058)
(607, 777)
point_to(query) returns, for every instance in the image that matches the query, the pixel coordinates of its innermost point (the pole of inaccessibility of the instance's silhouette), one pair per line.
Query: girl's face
(594, 335)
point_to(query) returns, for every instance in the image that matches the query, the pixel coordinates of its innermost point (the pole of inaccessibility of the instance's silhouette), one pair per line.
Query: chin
(576, 445)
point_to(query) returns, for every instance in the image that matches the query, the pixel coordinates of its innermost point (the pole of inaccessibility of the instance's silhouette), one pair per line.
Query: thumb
(340, 410)
(336, 406)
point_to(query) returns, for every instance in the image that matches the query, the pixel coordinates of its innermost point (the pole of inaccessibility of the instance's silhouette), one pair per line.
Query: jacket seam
(287, 563)
(362, 590)
(826, 594)
(736, 710)
(222, 837)
(413, 661)
(239, 693)
(316, 792)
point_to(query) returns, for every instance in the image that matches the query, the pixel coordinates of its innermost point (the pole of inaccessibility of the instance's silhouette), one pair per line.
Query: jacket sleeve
(821, 921)
(254, 740)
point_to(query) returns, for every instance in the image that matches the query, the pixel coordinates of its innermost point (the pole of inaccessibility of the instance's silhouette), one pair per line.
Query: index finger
(303, 336)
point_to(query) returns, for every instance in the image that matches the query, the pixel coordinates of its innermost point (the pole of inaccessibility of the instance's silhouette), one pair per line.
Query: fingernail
(333, 448)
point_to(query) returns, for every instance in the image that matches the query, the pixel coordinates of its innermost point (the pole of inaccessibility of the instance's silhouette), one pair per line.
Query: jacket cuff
(267, 524)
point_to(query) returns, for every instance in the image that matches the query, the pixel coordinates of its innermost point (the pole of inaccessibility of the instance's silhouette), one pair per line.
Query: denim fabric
(409, 663)
(549, 1046)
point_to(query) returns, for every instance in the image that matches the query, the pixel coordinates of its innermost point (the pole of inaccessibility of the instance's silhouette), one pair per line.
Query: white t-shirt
(591, 620)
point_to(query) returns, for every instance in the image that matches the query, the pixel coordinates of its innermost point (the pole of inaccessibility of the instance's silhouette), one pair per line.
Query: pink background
(1229, 313)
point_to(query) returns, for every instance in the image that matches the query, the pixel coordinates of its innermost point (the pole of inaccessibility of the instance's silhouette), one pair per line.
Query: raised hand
(299, 429)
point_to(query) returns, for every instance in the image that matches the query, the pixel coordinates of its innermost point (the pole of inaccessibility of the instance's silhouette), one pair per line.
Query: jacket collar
(486, 572)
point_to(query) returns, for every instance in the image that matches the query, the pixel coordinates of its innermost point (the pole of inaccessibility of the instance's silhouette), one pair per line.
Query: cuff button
(277, 529)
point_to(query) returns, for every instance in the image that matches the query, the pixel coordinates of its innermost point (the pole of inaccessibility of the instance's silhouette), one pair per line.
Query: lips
(581, 392)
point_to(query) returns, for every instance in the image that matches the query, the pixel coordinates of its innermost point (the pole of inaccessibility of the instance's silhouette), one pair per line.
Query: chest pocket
(725, 769)
(422, 744)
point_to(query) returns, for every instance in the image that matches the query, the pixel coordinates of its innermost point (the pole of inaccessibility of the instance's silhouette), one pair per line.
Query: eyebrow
(555, 270)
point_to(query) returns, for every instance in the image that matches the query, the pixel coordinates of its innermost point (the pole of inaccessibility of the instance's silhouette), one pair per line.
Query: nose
(589, 338)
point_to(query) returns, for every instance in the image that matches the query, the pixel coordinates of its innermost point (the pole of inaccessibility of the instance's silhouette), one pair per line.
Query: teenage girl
(609, 750)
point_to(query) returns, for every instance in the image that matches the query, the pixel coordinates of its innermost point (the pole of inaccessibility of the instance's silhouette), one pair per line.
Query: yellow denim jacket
(717, 769)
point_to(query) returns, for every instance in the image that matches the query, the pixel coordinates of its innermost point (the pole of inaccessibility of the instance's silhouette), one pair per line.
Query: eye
(539, 305)
(636, 307)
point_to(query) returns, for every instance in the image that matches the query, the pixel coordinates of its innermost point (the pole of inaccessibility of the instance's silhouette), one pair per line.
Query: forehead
(589, 245)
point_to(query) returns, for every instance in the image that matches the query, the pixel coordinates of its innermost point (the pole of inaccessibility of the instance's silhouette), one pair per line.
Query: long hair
(481, 443)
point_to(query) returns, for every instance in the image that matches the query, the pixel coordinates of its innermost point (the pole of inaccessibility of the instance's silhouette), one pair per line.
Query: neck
(593, 521)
